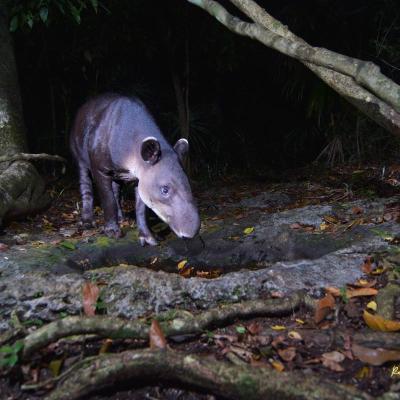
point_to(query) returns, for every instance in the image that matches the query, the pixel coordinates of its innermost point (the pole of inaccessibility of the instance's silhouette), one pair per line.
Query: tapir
(115, 139)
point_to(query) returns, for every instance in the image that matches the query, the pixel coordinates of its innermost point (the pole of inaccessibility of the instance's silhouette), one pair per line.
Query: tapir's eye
(164, 190)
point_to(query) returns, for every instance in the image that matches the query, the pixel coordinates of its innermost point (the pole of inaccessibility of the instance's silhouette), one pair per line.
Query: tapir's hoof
(113, 231)
(148, 239)
(87, 224)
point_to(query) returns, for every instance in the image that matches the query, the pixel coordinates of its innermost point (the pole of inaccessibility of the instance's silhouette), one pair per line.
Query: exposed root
(172, 322)
(221, 378)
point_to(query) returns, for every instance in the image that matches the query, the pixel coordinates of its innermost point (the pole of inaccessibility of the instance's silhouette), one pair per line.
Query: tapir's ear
(150, 151)
(181, 147)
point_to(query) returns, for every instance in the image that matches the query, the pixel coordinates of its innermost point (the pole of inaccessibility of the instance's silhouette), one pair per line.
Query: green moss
(247, 386)
(102, 241)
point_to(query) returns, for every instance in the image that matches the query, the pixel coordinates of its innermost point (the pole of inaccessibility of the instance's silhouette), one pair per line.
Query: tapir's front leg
(145, 235)
(109, 204)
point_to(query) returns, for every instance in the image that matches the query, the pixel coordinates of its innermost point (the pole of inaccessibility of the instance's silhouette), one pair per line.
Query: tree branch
(323, 62)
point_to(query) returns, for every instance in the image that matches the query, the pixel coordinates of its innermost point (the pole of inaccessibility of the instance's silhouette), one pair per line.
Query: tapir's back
(111, 123)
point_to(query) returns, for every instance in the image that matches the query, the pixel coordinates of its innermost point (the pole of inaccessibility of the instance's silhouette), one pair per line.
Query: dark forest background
(251, 109)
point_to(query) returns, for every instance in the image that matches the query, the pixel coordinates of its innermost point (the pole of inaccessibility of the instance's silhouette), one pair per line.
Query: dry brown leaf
(367, 266)
(156, 336)
(336, 356)
(287, 354)
(105, 346)
(90, 294)
(376, 356)
(254, 328)
(333, 291)
(332, 365)
(357, 210)
(378, 323)
(361, 292)
(295, 226)
(4, 247)
(364, 283)
(324, 307)
(295, 335)
(278, 365)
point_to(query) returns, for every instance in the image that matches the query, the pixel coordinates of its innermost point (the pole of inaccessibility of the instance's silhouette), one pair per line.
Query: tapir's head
(164, 186)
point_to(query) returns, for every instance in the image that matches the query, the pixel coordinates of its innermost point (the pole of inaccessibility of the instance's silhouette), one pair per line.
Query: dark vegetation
(258, 122)
(250, 109)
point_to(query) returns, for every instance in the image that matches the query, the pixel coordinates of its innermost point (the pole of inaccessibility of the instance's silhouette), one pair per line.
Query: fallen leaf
(156, 336)
(367, 266)
(4, 247)
(295, 226)
(332, 365)
(336, 356)
(333, 291)
(248, 230)
(105, 346)
(90, 294)
(323, 307)
(378, 271)
(295, 335)
(182, 264)
(372, 305)
(357, 210)
(254, 328)
(277, 295)
(287, 354)
(299, 321)
(55, 367)
(376, 356)
(68, 245)
(278, 327)
(278, 365)
(363, 373)
(361, 292)
(365, 283)
(378, 323)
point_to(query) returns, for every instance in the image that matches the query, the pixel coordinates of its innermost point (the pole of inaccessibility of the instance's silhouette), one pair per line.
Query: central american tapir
(114, 139)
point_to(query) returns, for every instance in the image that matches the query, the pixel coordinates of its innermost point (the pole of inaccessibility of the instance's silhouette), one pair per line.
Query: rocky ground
(256, 239)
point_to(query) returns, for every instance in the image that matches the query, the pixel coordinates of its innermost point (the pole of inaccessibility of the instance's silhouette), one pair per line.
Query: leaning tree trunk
(359, 82)
(21, 187)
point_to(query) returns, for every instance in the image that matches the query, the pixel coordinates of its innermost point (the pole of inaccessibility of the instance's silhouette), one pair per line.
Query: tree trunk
(21, 187)
(359, 82)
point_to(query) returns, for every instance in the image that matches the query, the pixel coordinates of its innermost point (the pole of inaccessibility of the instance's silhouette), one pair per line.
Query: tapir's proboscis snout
(115, 139)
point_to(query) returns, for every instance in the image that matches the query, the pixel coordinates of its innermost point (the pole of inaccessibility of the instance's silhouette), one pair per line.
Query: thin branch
(356, 71)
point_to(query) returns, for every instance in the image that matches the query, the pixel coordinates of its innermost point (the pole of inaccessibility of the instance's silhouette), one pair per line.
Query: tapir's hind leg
(117, 195)
(145, 235)
(104, 188)
(86, 189)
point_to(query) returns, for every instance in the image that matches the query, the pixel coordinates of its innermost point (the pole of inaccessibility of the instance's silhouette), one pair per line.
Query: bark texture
(21, 187)
(360, 82)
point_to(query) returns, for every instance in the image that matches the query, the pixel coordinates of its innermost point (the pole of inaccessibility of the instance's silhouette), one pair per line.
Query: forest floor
(333, 235)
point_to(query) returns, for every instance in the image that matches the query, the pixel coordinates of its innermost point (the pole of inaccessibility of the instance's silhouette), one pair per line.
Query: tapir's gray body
(114, 139)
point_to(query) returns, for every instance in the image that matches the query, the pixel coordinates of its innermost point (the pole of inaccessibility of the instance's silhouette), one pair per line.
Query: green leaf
(241, 330)
(95, 5)
(12, 360)
(68, 245)
(44, 14)
(14, 23)
(6, 349)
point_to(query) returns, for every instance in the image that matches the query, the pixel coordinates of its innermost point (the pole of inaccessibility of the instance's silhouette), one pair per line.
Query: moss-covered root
(220, 378)
(172, 323)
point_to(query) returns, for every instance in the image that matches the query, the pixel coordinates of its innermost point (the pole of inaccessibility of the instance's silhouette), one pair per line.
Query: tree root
(175, 322)
(32, 157)
(221, 378)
